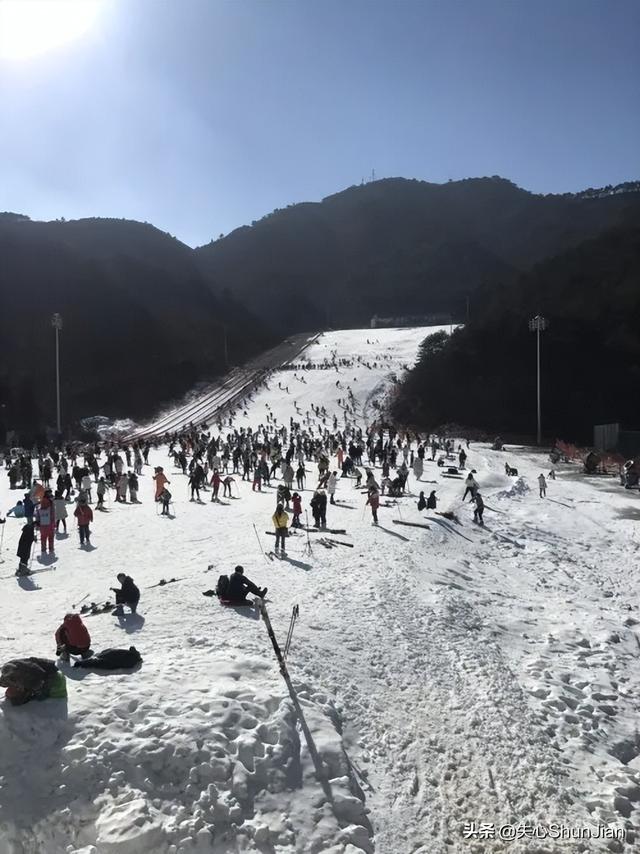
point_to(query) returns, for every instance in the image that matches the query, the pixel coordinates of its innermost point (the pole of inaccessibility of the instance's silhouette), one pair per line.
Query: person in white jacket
(332, 483)
(60, 510)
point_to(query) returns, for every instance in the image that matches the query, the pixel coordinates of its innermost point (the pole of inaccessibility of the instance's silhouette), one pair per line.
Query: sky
(200, 116)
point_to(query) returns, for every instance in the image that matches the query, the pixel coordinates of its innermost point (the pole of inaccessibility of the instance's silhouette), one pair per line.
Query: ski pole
(259, 543)
(80, 601)
(4, 521)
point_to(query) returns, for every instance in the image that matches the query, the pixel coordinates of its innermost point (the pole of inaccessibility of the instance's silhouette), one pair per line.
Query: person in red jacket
(72, 638)
(374, 502)
(215, 482)
(84, 515)
(297, 509)
(46, 519)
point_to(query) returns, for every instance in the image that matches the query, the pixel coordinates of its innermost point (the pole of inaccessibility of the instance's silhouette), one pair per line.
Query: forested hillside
(141, 325)
(485, 375)
(401, 246)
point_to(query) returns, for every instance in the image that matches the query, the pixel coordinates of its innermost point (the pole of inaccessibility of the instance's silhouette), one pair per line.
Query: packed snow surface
(451, 678)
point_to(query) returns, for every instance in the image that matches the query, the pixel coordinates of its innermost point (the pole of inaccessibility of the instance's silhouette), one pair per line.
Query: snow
(445, 675)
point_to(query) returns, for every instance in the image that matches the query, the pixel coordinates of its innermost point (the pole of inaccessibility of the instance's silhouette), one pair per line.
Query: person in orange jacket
(84, 515)
(161, 481)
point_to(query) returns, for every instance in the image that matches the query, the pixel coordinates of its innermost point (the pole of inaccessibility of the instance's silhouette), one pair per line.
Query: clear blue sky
(200, 116)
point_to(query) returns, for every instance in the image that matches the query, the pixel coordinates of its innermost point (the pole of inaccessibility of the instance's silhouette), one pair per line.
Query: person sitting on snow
(31, 679)
(17, 512)
(72, 638)
(240, 585)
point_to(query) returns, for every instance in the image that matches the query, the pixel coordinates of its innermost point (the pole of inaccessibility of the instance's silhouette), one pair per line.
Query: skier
(60, 511)
(29, 507)
(226, 486)
(477, 513)
(215, 482)
(318, 506)
(161, 481)
(24, 548)
(297, 509)
(422, 502)
(85, 485)
(194, 483)
(471, 487)
(462, 458)
(121, 494)
(542, 484)
(72, 638)
(128, 594)
(300, 476)
(373, 501)
(332, 482)
(133, 487)
(240, 585)
(280, 521)
(101, 489)
(165, 498)
(432, 501)
(84, 515)
(45, 519)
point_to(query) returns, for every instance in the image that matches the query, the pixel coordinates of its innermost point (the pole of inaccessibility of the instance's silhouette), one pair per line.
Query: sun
(31, 27)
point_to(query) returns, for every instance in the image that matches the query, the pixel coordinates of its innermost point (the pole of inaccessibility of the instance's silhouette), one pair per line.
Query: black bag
(222, 587)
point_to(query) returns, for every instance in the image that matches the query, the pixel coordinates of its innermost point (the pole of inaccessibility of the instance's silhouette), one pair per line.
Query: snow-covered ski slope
(239, 386)
(220, 397)
(447, 676)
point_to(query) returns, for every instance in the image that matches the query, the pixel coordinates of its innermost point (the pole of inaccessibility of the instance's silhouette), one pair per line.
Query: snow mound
(226, 770)
(517, 489)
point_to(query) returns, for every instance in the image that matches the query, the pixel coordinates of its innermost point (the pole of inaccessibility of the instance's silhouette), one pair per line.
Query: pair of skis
(330, 543)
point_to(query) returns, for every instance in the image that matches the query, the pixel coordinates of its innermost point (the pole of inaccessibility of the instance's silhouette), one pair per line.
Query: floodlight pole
(56, 322)
(538, 324)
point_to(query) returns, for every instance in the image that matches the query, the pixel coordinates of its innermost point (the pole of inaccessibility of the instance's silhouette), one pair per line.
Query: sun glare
(31, 27)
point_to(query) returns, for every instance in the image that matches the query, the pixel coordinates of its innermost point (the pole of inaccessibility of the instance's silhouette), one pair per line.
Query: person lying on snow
(72, 638)
(239, 586)
(31, 679)
(128, 594)
(112, 659)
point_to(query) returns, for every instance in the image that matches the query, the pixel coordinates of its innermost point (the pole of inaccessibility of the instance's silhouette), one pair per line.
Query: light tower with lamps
(56, 322)
(538, 324)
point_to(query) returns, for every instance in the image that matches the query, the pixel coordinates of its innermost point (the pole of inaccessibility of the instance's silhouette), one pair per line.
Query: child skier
(84, 515)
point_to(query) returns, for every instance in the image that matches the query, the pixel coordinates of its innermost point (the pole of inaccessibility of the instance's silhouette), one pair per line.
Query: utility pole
(538, 324)
(56, 322)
